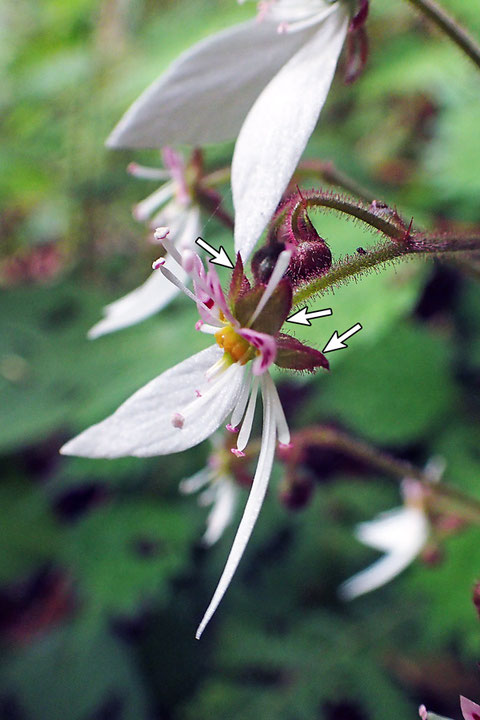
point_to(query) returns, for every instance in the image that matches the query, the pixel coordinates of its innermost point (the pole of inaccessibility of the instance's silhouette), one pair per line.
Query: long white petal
(205, 95)
(278, 127)
(252, 508)
(146, 300)
(143, 427)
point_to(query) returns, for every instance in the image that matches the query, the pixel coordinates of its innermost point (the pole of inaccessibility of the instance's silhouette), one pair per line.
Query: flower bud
(309, 260)
(296, 492)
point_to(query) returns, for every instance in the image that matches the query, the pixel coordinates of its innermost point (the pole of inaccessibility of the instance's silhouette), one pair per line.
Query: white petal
(239, 408)
(221, 514)
(246, 429)
(402, 533)
(380, 573)
(278, 127)
(195, 482)
(191, 230)
(204, 96)
(143, 427)
(149, 298)
(283, 431)
(251, 512)
(403, 529)
(145, 208)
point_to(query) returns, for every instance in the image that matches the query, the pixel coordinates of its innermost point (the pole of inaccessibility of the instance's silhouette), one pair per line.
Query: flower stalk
(444, 497)
(439, 16)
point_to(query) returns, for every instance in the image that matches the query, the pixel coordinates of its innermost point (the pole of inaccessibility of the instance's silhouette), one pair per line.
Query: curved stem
(349, 207)
(450, 27)
(355, 265)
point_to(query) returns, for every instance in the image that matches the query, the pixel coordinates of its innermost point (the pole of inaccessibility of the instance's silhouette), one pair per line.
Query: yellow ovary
(236, 347)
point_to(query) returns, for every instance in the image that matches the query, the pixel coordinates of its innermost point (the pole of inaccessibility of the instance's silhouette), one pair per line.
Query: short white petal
(402, 533)
(146, 300)
(204, 96)
(378, 574)
(147, 207)
(246, 429)
(221, 514)
(403, 529)
(190, 231)
(143, 427)
(278, 127)
(251, 512)
(194, 483)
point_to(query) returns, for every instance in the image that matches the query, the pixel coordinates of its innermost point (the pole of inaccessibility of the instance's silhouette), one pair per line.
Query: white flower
(265, 81)
(170, 205)
(218, 489)
(186, 404)
(400, 533)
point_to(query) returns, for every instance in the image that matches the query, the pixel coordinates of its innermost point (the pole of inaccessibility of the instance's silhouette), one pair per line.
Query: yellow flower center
(236, 347)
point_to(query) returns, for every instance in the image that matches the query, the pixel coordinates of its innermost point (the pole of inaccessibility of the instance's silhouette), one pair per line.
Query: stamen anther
(161, 233)
(178, 421)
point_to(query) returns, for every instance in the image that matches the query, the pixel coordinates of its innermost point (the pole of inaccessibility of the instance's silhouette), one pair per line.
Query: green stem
(352, 208)
(450, 27)
(356, 265)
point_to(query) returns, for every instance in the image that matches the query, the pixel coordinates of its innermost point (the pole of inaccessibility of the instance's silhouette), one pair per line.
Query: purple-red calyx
(311, 256)
(290, 353)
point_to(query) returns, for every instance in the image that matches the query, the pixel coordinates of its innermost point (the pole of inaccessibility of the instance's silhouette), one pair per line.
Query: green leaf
(394, 391)
(74, 673)
(125, 553)
(30, 535)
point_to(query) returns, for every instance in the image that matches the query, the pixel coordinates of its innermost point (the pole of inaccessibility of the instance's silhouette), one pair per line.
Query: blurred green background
(103, 578)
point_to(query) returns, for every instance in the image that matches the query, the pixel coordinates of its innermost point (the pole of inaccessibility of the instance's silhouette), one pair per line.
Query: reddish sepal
(273, 314)
(294, 355)
(239, 284)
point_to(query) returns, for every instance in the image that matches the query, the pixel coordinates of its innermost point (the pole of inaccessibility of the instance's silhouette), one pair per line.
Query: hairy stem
(355, 265)
(450, 27)
(349, 207)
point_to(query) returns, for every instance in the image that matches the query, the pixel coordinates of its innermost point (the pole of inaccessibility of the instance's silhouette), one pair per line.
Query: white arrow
(220, 257)
(303, 317)
(337, 343)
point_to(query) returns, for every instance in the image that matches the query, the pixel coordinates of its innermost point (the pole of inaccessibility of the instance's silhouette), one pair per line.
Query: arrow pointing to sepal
(337, 342)
(220, 257)
(303, 317)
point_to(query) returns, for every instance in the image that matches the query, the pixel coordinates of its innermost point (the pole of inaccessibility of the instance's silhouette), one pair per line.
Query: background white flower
(251, 79)
(400, 533)
(170, 205)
